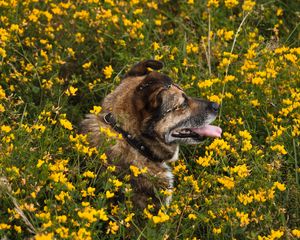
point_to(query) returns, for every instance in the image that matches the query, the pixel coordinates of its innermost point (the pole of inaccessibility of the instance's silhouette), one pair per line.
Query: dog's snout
(213, 106)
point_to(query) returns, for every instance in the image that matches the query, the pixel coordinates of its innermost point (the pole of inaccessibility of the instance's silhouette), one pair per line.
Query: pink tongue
(208, 131)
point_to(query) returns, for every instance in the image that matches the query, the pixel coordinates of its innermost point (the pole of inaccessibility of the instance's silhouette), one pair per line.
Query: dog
(154, 116)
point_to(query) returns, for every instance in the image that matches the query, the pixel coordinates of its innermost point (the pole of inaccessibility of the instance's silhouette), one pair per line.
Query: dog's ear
(142, 68)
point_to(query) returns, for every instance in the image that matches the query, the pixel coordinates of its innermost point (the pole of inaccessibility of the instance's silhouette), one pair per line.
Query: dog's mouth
(198, 134)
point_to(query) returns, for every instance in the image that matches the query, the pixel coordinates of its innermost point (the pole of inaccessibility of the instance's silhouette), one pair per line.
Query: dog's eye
(185, 103)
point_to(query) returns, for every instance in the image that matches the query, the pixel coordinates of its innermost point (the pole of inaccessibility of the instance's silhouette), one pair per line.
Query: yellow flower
(47, 84)
(279, 12)
(227, 182)
(69, 186)
(113, 228)
(228, 35)
(88, 214)
(180, 168)
(63, 232)
(2, 108)
(62, 196)
(245, 198)
(219, 146)
(229, 78)
(43, 216)
(91, 191)
(152, 4)
(208, 83)
(246, 146)
(192, 48)
(110, 133)
(147, 213)
(79, 38)
(207, 160)
(44, 236)
(291, 57)
(4, 226)
(212, 3)
(192, 216)
(111, 168)
(211, 214)
(83, 15)
(71, 91)
(2, 53)
(5, 128)
(66, 124)
(85, 204)
(245, 134)
(217, 230)
(279, 186)
(276, 234)
(103, 157)
(215, 98)
(190, 179)
(108, 194)
(129, 217)
(39, 127)
(102, 215)
(107, 71)
(71, 52)
(117, 183)
(241, 170)
(87, 65)
(136, 171)
(33, 195)
(246, 140)
(111, 2)
(161, 217)
(259, 196)
(255, 103)
(89, 174)
(244, 219)
(157, 22)
(231, 3)
(18, 229)
(91, 214)
(82, 234)
(96, 110)
(138, 11)
(34, 16)
(61, 219)
(58, 177)
(248, 5)
(296, 233)
(248, 65)
(279, 148)
(258, 80)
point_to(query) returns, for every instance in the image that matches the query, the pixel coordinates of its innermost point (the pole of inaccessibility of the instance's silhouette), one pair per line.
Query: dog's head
(164, 110)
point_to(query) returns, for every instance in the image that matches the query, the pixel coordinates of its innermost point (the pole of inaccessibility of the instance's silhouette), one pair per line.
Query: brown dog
(154, 116)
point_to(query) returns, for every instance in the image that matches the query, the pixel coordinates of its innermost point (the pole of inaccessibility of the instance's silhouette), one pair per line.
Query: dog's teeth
(180, 132)
(185, 131)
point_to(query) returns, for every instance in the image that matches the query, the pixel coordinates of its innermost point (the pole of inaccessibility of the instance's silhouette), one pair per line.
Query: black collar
(135, 143)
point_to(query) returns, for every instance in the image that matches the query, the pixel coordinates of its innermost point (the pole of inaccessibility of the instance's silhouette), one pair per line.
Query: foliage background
(58, 59)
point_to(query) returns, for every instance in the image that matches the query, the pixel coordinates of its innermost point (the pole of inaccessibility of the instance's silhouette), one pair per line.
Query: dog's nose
(213, 106)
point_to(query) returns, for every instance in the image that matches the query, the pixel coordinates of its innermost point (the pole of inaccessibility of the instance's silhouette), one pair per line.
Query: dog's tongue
(208, 131)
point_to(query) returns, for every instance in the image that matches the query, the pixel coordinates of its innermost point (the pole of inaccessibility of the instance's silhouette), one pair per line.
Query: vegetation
(58, 59)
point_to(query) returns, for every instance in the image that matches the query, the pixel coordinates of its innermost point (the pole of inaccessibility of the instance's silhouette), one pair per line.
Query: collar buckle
(107, 118)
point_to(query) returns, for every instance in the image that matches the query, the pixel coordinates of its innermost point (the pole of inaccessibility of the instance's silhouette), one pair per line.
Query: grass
(59, 59)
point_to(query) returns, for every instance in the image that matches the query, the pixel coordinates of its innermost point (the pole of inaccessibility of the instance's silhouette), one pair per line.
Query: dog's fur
(156, 112)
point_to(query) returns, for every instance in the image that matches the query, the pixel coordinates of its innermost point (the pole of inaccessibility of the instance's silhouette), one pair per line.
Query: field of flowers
(58, 59)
